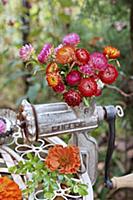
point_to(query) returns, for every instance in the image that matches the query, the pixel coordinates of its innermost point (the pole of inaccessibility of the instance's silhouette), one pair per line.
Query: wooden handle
(123, 182)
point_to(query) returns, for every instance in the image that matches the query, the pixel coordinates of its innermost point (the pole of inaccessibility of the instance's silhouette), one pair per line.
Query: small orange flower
(9, 190)
(64, 159)
(52, 67)
(65, 54)
(53, 79)
(111, 52)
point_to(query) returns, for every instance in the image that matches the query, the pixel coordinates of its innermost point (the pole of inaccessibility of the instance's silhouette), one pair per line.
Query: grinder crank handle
(122, 182)
(110, 116)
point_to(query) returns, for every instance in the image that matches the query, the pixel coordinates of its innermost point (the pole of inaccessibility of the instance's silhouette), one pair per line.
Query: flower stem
(86, 102)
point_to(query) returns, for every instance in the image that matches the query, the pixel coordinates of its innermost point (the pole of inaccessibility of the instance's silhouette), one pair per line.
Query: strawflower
(65, 54)
(87, 69)
(73, 77)
(60, 87)
(111, 52)
(71, 39)
(26, 51)
(72, 97)
(64, 159)
(53, 79)
(109, 75)
(9, 190)
(45, 53)
(57, 48)
(52, 67)
(99, 61)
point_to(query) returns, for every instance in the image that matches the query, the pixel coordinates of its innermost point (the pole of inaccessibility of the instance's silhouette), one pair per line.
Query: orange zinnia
(111, 52)
(9, 190)
(64, 159)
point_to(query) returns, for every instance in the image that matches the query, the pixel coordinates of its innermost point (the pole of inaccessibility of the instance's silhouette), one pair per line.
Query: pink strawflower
(99, 61)
(57, 48)
(71, 39)
(25, 52)
(2, 126)
(45, 53)
(87, 69)
(73, 78)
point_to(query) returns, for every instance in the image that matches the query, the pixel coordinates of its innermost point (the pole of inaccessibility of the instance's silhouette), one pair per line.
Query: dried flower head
(65, 54)
(99, 61)
(26, 51)
(71, 39)
(45, 53)
(111, 52)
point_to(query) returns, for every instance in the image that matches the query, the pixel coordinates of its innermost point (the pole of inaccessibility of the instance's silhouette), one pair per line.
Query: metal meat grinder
(48, 120)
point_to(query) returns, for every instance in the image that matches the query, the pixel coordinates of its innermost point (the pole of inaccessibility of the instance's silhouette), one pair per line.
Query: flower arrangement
(74, 72)
(59, 169)
(9, 189)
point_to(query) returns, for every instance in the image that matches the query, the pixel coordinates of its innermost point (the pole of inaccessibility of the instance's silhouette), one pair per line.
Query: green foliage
(49, 180)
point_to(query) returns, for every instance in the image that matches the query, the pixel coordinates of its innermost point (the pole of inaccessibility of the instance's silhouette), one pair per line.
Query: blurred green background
(99, 23)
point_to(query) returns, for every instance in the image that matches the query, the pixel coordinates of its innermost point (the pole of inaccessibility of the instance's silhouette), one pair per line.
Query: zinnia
(9, 190)
(64, 159)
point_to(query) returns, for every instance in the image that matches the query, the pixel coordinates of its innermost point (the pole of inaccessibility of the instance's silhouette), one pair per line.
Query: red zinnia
(64, 159)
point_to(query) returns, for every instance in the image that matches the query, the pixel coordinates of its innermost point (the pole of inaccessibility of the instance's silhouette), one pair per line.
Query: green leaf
(48, 195)
(12, 169)
(82, 189)
(29, 156)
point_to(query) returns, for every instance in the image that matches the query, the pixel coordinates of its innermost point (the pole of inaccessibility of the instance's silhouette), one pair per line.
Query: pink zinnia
(45, 53)
(71, 39)
(99, 61)
(2, 126)
(25, 52)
